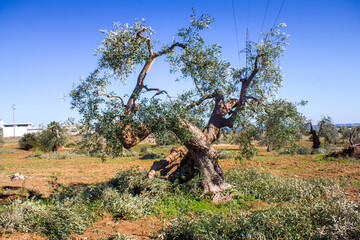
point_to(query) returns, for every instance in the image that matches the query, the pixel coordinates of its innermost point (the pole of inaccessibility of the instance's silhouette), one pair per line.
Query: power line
(282, 4)
(267, 6)
(236, 33)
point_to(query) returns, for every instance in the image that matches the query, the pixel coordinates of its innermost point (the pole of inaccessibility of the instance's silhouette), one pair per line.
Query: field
(63, 174)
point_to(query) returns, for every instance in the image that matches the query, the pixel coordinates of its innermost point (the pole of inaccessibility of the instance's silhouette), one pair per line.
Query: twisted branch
(112, 96)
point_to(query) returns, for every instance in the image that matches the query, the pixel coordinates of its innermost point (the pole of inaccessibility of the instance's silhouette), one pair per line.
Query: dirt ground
(78, 171)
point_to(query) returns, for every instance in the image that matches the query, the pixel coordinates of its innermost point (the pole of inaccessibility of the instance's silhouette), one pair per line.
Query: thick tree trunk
(197, 154)
(205, 158)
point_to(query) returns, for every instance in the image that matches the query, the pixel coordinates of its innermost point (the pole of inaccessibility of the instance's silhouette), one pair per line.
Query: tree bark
(315, 137)
(198, 154)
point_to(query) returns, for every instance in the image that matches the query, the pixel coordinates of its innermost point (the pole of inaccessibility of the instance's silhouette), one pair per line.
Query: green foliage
(293, 208)
(52, 137)
(56, 220)
(228, 154)
(47, 140)
(300, 150)
(147, 153)
(117, 236)
(351, 134)
(166, 138)
(245, 136)
(128, 47)
(29, 141)
(2, 141)
(53, 155)
(282, 125)
(92, 144)
(303, 209)
(328, 130)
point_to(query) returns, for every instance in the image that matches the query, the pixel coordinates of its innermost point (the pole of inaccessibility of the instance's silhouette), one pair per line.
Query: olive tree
(282, 125)
(314, 136)
(328, 130)
(49, 139)
(352, 134)
(222, 95)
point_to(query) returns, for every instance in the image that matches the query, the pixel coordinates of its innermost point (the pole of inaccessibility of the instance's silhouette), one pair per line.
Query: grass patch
(228, 154)
(322, 159)
(295, 208)
(5, 151)
(55, 155)
(305, 209)
(117, 236)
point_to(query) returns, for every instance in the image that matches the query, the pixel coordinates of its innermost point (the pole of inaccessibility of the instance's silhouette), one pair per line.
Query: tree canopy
(222, 96)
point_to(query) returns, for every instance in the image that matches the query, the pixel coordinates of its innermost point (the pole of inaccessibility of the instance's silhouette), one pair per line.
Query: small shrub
(57, 220)
(66, 218)
(70, 144)
(297, 149)
(47, 140)
(129, 153)
(126, 205)
(148, 154)
(318, 151)
(303, 150)
(152, 156)
(29, 141)
(228, 155)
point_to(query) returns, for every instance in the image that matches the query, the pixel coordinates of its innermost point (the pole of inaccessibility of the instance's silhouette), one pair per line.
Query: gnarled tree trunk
(315, 137)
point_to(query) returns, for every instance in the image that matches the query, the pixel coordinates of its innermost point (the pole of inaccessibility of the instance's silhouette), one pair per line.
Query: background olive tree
(351, 134)
(282, 125)
(328, 130)
(49, 139)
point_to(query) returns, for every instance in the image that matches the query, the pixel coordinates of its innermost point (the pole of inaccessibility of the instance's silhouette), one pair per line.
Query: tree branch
(197, 87)
(156, 89)
(169, 49)
(112, 96)
(201, 100)
(253, 98)
(147, 39)
(245, 83)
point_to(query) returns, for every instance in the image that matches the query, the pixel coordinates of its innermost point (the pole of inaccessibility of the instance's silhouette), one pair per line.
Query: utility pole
(13, 108)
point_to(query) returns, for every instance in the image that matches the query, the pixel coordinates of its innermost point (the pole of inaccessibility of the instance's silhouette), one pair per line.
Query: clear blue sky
(45, 46)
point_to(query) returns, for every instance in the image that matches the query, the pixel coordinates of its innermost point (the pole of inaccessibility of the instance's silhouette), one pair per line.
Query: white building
(17, 129)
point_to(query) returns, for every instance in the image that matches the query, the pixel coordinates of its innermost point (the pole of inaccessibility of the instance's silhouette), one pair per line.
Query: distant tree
(314, 137)
(53, 137)
(352, 134)
(221, 95)
(1, 136)
(47, 140)
(282, 125)
(328, 130)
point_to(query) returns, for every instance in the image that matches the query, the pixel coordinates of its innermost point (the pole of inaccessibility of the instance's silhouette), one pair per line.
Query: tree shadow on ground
(9, 193)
